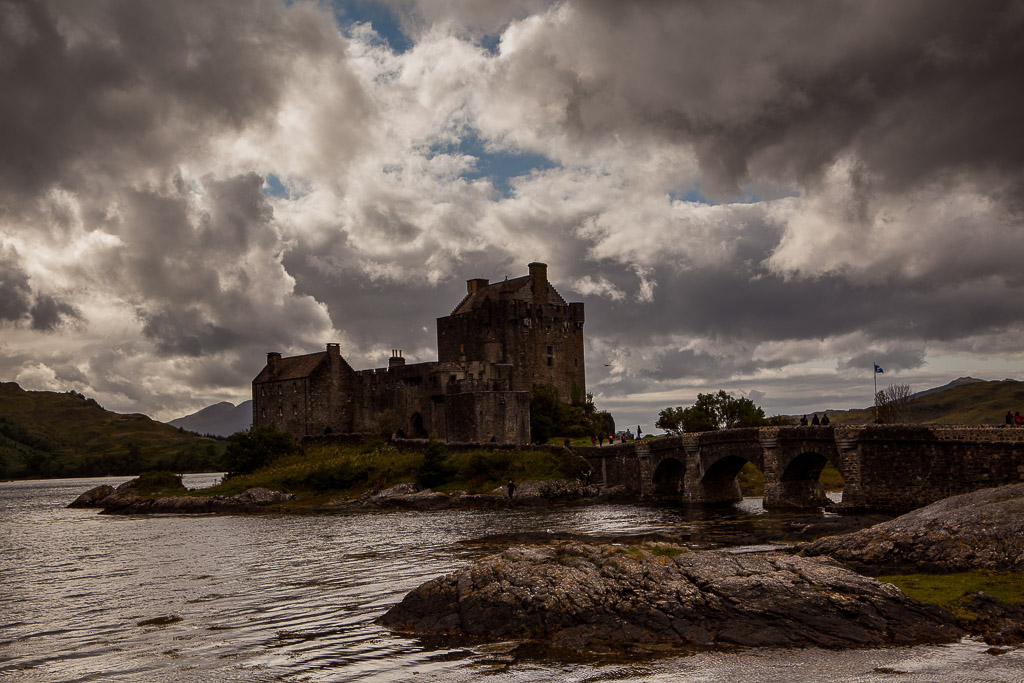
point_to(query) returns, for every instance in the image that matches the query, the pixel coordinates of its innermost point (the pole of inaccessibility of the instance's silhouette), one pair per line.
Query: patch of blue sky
(491, 42)
(747, 195)
(500, 167)
(273, 187)
(384, 21)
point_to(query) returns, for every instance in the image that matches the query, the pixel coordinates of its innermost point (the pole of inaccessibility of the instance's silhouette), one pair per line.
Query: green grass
(949, 590)
(330, 470)
(752, 480)
(830, 478)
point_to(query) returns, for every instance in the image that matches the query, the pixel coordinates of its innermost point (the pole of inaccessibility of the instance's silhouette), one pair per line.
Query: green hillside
(49, 434)
(980, 403)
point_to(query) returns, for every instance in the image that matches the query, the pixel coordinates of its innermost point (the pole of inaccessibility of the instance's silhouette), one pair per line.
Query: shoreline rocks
(409, 496)
(589, 598)
(979, 530)
(124, 500)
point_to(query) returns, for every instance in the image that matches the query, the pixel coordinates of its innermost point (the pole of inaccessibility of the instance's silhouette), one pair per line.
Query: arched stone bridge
(884, 467)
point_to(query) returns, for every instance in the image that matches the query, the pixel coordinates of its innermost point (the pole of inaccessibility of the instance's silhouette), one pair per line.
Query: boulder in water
(613, 599)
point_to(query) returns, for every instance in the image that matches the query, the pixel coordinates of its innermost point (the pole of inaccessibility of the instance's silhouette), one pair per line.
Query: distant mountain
(50, 434)
(962, 401)
(220, 419)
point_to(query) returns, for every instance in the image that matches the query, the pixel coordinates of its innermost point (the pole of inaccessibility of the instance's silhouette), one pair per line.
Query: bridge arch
(721, 456)
(668, 477)
(797, 459)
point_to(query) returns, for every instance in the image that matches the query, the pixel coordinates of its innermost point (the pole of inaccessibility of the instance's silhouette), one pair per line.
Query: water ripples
(270, 597)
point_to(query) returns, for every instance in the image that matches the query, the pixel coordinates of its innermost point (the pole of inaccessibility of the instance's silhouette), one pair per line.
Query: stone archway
(719, 484)
(668, 477)
(419, 431)
(799, 484)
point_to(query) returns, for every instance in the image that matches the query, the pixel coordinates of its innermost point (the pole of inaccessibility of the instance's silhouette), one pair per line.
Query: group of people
(599, 440)
(1014, 419)
(815, 421)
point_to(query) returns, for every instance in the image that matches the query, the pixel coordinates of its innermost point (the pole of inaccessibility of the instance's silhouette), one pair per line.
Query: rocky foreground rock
(979, 530)
(125, 500)
(612, 598)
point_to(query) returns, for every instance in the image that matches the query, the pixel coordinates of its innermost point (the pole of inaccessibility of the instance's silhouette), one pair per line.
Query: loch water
(89, 597)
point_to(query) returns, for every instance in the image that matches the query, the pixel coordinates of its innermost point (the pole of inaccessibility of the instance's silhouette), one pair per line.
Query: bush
(256, 447)
(157, 482)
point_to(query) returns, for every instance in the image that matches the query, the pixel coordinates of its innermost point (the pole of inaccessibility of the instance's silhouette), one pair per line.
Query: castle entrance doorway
(418, 430)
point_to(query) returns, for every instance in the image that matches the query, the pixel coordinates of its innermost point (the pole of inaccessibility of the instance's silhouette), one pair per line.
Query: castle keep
(501, 339)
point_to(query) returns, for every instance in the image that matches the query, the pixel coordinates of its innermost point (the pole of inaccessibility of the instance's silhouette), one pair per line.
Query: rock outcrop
(409, 496)
(979, 530)
(124, 500)
(614, 598)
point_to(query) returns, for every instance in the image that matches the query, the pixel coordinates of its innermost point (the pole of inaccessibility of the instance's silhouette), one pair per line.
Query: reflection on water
(294, 597)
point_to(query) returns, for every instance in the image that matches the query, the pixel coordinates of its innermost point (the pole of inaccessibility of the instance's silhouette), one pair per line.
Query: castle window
(549, 350)
(263, 413)
(549, 361)
(295, 409)
(280, 411)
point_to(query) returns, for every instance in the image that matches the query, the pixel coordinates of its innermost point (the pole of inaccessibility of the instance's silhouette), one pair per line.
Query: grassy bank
(332, 470)
(950, 590)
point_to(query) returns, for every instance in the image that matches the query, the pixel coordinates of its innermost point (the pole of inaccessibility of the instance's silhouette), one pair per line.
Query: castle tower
(523, 323)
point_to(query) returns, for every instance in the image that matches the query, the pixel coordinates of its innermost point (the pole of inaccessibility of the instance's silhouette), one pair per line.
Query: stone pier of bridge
(883, 467)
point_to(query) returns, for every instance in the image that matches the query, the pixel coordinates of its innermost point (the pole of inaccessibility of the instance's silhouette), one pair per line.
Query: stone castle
(502, 339)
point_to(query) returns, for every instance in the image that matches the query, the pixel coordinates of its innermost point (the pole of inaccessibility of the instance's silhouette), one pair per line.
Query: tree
(710, 412)
(550, 417)
(891, 404)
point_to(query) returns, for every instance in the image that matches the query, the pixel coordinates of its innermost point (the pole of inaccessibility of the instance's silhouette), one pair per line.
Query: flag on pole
(878, 369)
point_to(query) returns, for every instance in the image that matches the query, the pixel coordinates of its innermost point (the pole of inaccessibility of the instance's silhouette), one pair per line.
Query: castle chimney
(539, 282)
(476, 284)
(333, 349)
(396, 359)
(272, 358)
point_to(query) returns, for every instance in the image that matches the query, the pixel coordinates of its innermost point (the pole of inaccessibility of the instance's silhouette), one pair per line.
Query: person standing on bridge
(815, 421)
(824, 419)
(803, 421)
(1009, 419)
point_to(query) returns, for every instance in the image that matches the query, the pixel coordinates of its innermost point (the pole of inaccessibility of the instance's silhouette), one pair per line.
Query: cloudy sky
(760, 197)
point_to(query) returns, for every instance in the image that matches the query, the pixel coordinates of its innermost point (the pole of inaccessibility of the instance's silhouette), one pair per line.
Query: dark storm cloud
(15, 293)
(782, 88)
(48, 313)
(206, 269)
(94, 88)
(186, 332)
(891, 359)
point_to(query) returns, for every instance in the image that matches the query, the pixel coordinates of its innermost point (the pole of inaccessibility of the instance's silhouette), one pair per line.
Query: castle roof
(516, 288)
(293, 367)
